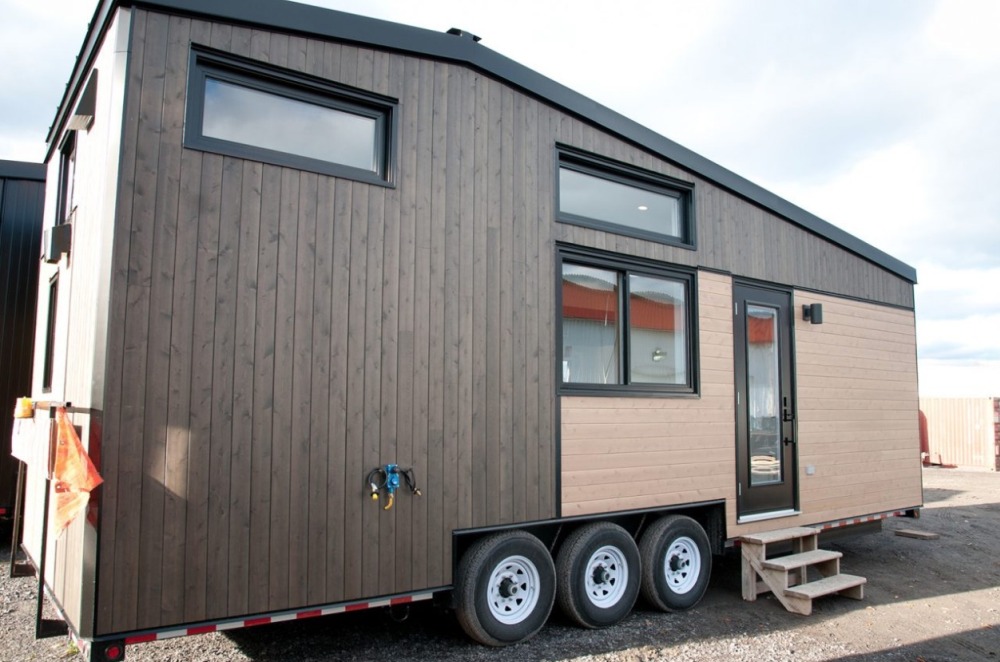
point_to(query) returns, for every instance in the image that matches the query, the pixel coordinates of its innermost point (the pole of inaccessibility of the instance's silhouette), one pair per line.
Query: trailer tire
(505, 586)
(676, 563)
(597, 575)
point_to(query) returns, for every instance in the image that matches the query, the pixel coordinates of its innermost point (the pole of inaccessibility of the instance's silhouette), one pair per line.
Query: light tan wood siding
(623, 453)
(856, 383)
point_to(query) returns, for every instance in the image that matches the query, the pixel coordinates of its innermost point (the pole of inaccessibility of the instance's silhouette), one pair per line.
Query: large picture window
(614, 197)
(626, 325)
(253, 111)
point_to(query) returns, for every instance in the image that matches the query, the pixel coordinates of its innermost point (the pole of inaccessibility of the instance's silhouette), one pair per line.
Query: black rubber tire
(574, 567)
(473, 590)
(659, 546)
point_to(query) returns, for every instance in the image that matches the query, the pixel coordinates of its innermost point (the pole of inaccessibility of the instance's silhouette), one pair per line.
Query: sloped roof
(464, 49)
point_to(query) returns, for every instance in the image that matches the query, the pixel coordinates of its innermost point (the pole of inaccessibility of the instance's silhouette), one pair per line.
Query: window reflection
(590, 325)
(657, 333)
(243, 115)
(601, 199)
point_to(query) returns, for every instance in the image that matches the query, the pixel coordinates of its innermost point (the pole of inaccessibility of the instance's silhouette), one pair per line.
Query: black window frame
(48, 361)
(67, 178)
(206, 63)
(625, 265)
(628, 175)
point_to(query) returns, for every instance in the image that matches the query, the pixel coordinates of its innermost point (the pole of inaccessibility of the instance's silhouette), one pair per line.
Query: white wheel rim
(513, 590)
(606, 576)
(682, 565)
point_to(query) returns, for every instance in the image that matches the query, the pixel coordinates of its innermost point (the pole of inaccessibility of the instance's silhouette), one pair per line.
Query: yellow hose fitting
(388, 505)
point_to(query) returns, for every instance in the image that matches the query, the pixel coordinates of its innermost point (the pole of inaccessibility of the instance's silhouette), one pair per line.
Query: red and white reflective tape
(859, 520)
(276, 618)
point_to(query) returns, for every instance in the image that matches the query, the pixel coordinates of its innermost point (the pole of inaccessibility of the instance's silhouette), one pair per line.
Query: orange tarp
(74, 476)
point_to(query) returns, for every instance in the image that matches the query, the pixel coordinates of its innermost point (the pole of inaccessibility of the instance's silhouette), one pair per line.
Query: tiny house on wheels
(356, 314)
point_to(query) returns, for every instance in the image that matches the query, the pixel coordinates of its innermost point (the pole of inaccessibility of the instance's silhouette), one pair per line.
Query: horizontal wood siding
(622, 453)
(856, 380)
(276, 334)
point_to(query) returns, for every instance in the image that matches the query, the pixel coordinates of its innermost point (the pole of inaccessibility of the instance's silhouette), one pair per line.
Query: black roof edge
(371, 32)
(22, 170)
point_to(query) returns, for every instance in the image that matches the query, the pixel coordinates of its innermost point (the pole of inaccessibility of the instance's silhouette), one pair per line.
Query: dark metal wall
(22, 196)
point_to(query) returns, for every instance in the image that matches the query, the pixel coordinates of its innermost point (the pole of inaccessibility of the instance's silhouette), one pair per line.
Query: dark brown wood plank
(284, 354)
(241, 466)
(339, 485)
(302, 367)
(263, 390)
(391, 68)
(405, 423)
(319, 387)
(355, 457)
(422, 329)
(178, 381)
(494, 167)
(452, 310)
(479, 470)
(533, 281)
(518, 319)
(134, 464)
(436, 353)
(464, 217)
(319, 394)
(507, 301)
(372, 359)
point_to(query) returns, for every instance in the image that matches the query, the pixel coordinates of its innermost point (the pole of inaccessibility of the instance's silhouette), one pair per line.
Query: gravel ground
(925, 600)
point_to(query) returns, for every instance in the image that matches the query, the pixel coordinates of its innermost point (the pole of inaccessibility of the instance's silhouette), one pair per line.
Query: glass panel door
(765, 410)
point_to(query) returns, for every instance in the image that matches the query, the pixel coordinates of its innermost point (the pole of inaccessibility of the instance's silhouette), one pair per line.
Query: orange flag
(74, 475)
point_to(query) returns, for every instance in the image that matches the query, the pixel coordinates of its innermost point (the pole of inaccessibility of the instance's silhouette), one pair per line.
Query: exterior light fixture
(813, 313)
(659, 355)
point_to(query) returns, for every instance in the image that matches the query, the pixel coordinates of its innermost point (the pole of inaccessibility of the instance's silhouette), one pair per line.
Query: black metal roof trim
(328, 23)
(22, 170)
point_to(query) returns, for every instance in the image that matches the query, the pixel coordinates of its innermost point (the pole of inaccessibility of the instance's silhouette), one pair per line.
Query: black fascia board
(294, 17)
(22, 170)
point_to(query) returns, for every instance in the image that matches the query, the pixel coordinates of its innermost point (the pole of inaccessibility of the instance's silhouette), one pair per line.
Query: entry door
(765, 408)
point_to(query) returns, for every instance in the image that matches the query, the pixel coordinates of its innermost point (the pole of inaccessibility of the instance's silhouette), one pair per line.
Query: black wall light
(813, 313)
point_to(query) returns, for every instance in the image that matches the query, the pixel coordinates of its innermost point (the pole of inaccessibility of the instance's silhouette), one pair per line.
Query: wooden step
(801, 560)
(829, 585)
(779, 535)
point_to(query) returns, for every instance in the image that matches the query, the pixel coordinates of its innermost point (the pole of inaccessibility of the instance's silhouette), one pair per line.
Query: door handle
(787, 441)
(786, 415)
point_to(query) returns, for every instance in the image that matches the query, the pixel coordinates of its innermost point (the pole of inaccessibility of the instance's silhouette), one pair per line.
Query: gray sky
(880, 117)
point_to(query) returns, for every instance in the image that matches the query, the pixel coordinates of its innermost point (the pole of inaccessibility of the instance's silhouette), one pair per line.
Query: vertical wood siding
(963, 432)
(275, 334)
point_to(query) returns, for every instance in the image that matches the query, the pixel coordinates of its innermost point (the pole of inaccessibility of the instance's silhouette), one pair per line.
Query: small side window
(254, 111)
(67, 178)
(50, 335)
(615, 197)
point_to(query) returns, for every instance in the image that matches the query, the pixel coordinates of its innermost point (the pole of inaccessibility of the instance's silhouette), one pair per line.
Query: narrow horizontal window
(613, 197)
(253, 111)
(625, 325)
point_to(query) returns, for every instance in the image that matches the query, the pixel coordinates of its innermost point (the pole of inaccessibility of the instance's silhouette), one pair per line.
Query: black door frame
(782, 497)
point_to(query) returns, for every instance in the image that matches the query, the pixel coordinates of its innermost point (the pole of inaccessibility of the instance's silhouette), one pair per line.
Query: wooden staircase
(787, 577)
